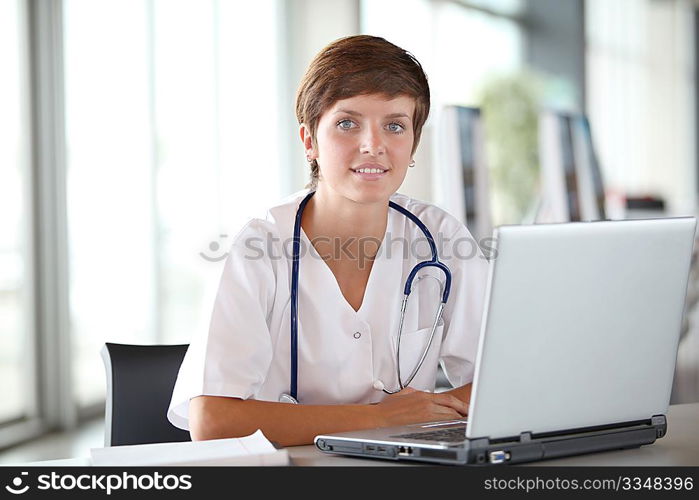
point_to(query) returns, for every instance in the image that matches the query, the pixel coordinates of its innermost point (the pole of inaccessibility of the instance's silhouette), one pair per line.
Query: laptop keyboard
(450, 435)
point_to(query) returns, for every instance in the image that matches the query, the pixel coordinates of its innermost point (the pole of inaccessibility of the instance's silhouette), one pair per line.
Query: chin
(368, 195)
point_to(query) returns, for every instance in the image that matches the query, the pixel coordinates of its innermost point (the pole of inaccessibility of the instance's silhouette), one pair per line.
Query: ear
(307, 139)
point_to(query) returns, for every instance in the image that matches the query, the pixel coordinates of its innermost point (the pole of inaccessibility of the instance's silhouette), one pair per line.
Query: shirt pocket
(412, 347)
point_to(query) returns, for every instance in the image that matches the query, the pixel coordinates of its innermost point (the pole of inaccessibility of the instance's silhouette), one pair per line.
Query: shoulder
(258, 247)
(275, 224)
(286, 208)
(435, 218)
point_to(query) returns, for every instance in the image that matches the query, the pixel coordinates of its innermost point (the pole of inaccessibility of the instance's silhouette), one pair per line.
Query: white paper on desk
(254, 449)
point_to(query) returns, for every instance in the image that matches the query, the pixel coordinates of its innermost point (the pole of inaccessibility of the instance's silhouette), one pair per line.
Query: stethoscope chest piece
(286, 398)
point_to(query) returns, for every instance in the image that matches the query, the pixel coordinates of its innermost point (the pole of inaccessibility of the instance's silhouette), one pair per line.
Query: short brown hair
(360, 65)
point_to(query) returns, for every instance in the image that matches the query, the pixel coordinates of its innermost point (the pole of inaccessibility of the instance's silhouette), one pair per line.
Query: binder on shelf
(572, 187)
(463, 179)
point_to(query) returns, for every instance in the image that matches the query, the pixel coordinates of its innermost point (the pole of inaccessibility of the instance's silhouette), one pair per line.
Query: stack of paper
(254, 449)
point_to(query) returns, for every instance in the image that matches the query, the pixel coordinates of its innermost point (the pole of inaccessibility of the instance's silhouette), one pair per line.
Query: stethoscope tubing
(292, 396)
(296, 244)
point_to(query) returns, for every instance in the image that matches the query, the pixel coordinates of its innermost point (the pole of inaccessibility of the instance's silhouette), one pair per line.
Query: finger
(452, 402)
(445, 413)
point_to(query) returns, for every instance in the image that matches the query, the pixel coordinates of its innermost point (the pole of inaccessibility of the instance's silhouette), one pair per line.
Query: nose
(372, 142)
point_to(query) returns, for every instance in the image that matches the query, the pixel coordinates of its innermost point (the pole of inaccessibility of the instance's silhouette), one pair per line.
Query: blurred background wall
(137, 136)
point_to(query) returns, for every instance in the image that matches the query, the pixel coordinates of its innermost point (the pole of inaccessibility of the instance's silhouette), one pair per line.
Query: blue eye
(396, 128)
(345, 124)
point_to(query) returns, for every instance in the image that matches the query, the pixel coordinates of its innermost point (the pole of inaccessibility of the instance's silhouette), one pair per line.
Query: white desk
(679, 447)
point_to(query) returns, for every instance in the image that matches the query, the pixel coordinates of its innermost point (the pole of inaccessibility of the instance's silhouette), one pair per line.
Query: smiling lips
(370, 171)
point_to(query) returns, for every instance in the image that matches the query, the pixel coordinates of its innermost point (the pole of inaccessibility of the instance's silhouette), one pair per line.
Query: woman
(361, 107)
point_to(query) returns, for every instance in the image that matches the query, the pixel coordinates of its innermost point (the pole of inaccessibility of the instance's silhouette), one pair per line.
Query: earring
(411, 164)
(309, 159)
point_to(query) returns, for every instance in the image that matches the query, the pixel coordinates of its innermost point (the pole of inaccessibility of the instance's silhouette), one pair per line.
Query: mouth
(370, 171)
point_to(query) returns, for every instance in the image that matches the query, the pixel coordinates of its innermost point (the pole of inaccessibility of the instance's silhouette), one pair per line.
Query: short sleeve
(464, 310)
(232, 359)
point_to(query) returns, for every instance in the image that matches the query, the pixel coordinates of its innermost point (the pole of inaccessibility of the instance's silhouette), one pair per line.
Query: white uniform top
(341, 352)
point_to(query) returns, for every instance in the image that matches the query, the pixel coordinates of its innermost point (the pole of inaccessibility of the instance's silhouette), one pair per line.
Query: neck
(329, 214)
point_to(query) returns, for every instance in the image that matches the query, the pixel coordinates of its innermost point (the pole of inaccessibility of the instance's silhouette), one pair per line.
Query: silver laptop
(577, 348)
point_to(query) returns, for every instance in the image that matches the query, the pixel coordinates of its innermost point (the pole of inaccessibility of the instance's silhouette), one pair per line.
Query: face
(363, 146)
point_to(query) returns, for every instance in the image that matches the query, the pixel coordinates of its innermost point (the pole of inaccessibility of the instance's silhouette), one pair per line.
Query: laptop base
(483, 451)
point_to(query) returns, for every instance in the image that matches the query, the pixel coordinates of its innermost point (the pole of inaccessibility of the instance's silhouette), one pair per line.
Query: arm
(213, 417)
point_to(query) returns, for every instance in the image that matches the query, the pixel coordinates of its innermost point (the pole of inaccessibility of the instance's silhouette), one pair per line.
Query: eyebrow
(356, 113)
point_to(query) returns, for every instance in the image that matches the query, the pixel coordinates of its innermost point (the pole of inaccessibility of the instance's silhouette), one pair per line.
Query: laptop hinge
(479, 443)
(525, 437)
(660, 422)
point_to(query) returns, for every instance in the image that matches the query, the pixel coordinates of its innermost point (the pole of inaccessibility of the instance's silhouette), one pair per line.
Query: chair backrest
(140, 380)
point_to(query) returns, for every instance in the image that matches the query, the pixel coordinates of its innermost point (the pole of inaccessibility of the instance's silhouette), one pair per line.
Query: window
(17, 366)
(640, 78)
(172, 134)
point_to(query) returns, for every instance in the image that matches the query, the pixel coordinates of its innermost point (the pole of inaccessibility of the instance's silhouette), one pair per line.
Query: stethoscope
(291, 397)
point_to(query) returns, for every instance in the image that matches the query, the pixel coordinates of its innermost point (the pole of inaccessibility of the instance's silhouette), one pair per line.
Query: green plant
(510, 108)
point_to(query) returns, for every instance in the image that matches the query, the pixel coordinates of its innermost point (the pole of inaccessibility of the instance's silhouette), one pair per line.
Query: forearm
(287, 424)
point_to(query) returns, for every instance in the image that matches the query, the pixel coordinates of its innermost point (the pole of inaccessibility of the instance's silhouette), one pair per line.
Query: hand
(411, 406)
(463, 393)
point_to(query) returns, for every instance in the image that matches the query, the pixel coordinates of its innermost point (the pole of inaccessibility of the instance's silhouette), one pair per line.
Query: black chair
(140, 379)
